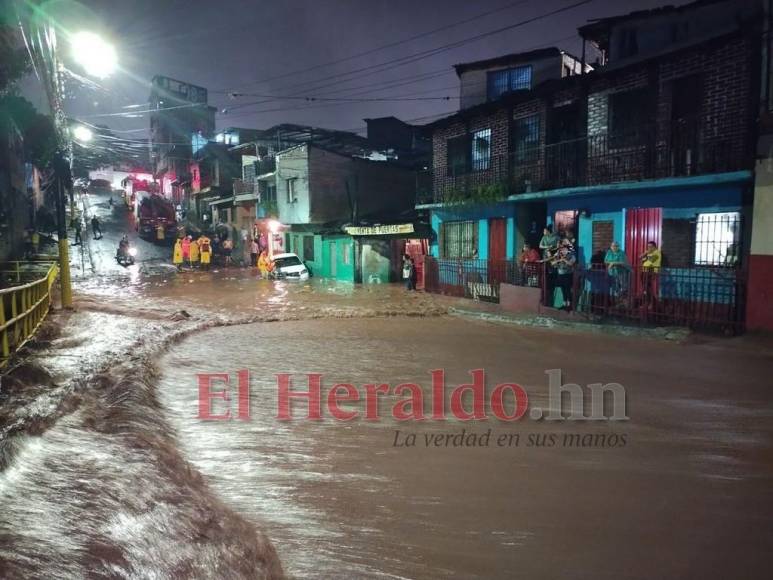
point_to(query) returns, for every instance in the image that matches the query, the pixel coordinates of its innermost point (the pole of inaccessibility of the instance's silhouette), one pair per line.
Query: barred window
(458, 239)
(457, 155)
(481, 149)
(526, 138)
(511, 79)
(718, 239)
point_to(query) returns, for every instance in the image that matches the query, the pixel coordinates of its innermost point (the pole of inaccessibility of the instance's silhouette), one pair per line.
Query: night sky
(228, 45)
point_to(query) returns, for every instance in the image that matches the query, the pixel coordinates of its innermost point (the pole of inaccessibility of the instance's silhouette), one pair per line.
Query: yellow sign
(380, 230)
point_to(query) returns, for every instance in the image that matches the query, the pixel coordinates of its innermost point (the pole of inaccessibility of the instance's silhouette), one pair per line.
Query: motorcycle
(125, 254)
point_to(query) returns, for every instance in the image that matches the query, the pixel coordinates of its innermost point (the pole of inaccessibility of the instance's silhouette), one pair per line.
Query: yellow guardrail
(23, 308)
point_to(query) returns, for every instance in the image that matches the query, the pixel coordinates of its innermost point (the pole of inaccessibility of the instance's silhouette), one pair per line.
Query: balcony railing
(242, 186)
(686, 148)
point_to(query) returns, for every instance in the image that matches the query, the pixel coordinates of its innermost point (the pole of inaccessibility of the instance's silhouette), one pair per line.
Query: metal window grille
(459, 239)
(718, 239)
(526, 138)
(481, 150)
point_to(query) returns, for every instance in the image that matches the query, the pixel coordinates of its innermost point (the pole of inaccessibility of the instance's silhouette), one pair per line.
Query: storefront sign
(380, 230)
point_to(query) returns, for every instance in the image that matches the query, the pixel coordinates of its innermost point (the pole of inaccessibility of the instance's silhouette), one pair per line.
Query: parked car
(290, 266)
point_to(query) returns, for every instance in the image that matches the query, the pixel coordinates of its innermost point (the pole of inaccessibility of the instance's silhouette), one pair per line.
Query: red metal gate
(642, 225)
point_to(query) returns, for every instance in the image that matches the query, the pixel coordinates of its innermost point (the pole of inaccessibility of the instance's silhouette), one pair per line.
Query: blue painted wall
(481, 214)
(676, 203)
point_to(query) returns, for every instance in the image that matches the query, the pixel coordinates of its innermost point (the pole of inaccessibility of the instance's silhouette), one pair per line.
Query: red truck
(154, 210)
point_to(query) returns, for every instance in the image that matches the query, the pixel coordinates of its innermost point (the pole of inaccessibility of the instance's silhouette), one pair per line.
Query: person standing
(409, 273)
(651, 261)
(564, 262)
(186, 245)
(264, 264)
(160, 234)
(548, 243)
(205, 251)
(228, 247)
(254, 251)
(616, 262)
(96, 229)
(177, 256)
(194, 253)
(78, 229)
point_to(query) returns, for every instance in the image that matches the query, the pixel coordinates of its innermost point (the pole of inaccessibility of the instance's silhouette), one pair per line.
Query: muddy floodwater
(683, 489)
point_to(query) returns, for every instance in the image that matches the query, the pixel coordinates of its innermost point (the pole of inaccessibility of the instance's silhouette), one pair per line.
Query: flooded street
(106, 469)
(340, 500)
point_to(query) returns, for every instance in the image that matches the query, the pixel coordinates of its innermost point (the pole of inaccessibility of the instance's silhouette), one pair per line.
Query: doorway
(332, 257)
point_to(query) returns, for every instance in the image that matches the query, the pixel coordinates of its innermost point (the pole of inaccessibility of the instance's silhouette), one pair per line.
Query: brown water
(689, 496)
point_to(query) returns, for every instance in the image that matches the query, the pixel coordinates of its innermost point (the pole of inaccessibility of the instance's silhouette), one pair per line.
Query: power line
(402, 61)
(385, 46)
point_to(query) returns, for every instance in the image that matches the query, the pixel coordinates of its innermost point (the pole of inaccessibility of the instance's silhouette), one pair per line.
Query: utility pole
(64, 246)
(43, 51)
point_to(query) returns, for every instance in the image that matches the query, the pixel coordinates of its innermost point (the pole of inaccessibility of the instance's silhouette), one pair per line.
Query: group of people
(557, 255)
(619, 270)
(78, 225)
(195, 252)
(198, 253)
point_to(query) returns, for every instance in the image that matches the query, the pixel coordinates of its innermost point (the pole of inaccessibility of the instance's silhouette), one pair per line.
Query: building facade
(654, 145)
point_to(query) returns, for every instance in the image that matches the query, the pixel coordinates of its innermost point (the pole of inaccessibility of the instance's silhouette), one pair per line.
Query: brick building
(656, 143)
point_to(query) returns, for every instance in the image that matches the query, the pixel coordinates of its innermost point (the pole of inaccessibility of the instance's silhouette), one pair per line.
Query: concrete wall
(293, 164)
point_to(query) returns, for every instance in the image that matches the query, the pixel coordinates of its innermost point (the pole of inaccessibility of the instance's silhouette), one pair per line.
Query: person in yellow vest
(194, 253)
(177, 257)
(35, 241)
(205, 251)
(264, 264)
(160, 232)
(651, 261)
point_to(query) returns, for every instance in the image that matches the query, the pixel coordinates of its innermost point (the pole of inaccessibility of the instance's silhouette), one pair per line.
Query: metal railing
(708, 298)
(673, 149)
(478, 279)
(711, 298)
(23, 308)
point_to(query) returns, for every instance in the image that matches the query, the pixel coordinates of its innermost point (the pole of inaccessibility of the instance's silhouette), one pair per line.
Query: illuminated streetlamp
(97, 57)
(82, 134)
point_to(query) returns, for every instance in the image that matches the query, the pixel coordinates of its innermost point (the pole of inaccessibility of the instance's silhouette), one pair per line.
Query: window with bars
(469, 152)
(457, 159)
(459, 239)
(718, 239)
(481, 150)
(500, 82)
(625, 111)
(526, 138)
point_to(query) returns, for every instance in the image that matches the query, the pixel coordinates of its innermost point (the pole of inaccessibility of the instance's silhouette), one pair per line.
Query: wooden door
(497, 250)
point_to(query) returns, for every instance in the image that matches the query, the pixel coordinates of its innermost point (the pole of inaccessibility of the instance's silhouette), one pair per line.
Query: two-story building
(323, 189)
(656, 144)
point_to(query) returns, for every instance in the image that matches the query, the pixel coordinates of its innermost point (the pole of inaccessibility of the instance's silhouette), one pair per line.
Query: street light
(97, 57)
(82, 134)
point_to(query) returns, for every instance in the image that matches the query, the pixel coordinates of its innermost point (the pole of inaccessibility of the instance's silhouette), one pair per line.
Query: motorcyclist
(123, 247)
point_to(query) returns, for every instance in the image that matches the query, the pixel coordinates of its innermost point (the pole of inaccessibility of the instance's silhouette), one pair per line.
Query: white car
(290, 267)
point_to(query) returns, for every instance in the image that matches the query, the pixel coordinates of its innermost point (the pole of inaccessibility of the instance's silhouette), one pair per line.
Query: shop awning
(385, 230)
(221, 201)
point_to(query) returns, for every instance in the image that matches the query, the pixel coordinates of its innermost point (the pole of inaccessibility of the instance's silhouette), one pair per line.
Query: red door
(497, 249)
(641, 226)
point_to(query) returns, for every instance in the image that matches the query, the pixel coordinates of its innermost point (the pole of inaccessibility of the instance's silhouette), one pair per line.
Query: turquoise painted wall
(481, 214)
(511, 250)
(342, 248)
(483, 239)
